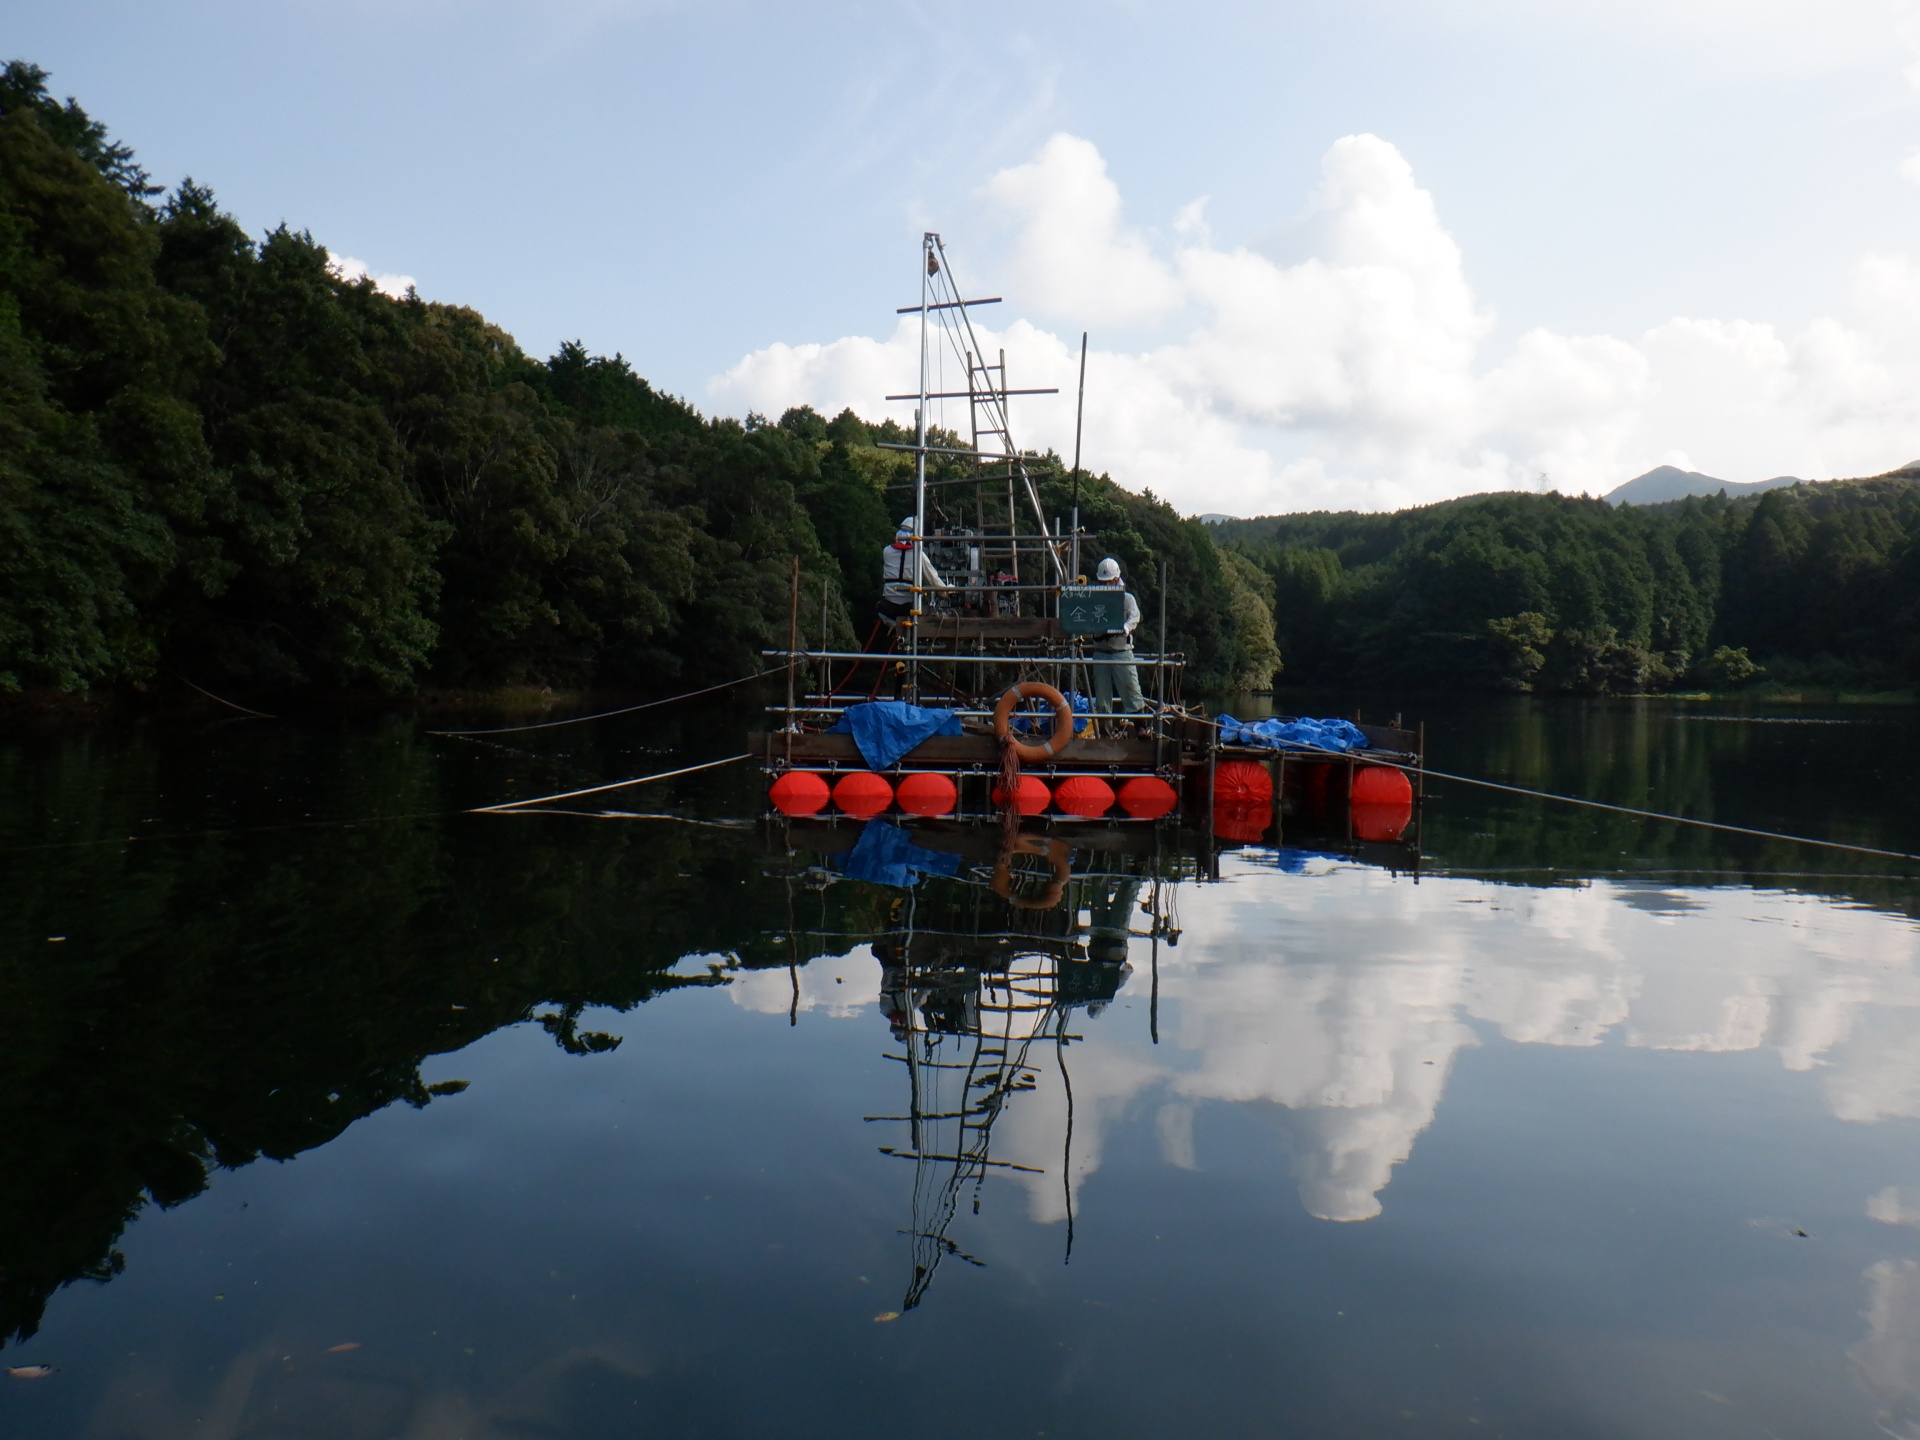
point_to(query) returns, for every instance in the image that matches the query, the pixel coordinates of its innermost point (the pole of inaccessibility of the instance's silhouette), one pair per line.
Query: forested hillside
(222, 461)
(1815, 584)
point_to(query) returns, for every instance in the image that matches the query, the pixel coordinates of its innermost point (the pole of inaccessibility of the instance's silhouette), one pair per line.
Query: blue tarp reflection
(886, 855)
(1294, 861)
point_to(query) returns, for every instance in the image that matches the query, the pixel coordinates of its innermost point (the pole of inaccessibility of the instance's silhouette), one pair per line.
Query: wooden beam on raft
(814, 748)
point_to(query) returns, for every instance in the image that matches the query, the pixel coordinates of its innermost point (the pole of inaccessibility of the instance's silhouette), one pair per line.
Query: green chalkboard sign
(1091, 609)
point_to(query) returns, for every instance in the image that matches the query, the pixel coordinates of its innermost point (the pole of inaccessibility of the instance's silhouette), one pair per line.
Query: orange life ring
(1062, 720)
(1055, 851)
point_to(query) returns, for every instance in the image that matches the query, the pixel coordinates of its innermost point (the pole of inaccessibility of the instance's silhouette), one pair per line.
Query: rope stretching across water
(604, 714)
(1662, 815)
(508, 806)
(257, 714)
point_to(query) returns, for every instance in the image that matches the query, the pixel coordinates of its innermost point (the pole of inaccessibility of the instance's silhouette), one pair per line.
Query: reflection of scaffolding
(968, 1008)
(959, 1084)
(974, 976)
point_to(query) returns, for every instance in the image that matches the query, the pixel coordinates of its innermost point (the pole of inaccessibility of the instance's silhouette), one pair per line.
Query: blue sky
(1442, 247)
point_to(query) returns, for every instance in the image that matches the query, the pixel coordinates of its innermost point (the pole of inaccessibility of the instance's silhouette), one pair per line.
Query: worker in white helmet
(897, 574)
(1113, 652)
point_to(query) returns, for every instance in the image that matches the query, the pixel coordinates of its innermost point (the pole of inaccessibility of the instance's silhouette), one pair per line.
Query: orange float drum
(1242, 782)
(927, 794)
(1033, 796)
(1382, 802)
(1383, 821)
(799, 792)
(1242, 800)
(1147, 797)
(1381, 785)
(862, 794)
(1087, 796)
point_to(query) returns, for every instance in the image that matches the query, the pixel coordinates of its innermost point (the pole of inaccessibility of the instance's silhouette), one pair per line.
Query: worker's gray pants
(1106, 677)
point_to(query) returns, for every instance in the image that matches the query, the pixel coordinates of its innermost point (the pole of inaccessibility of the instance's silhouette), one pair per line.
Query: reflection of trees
(1830, 782)
(239, 995)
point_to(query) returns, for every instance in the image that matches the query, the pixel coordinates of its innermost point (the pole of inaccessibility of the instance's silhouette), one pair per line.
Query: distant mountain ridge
(1648, 489)
(1668, 482)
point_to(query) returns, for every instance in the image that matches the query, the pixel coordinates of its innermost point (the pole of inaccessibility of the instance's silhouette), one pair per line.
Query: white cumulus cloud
(1342, 361)
(352, 270)
(1073, 255)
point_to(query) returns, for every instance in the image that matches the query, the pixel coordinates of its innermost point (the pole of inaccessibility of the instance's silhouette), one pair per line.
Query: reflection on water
(1347, 1003)
(1595, 1127)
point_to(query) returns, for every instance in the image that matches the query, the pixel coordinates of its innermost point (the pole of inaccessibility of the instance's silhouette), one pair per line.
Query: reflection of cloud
(358, 1395)
(1033, 1128)
(1343, 999)
(1359, 1047)
(1888, 1359)
(1175, 1126)
(840, 985)
(1891, 1206)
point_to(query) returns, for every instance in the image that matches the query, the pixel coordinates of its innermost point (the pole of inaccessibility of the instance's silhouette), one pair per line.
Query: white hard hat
(1109, 569)
(906, 526)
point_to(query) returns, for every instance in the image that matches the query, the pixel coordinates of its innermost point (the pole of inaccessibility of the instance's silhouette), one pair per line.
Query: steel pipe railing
(1171, 662)
(975, 714)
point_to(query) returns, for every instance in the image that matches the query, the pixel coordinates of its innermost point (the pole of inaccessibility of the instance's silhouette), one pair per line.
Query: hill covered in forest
(1814, 584)
(221, 459)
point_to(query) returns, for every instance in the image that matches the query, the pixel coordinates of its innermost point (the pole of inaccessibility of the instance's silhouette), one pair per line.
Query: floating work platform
(1242, 794)
(997, 603)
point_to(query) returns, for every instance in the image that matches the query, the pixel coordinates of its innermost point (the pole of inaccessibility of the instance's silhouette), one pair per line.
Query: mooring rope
(257, 714)
(634, 815)
(508, 805)
(604, 714)
(1660, 815)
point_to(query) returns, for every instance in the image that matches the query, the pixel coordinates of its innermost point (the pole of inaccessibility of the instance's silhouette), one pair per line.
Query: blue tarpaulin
(1037, 718)
(886, 856)
(884, 730)
(1340, 735)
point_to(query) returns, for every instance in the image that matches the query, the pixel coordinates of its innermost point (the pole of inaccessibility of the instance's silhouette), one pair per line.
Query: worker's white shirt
(896, 566)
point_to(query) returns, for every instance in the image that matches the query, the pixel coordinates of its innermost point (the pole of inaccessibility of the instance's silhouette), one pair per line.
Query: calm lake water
(331, 1111)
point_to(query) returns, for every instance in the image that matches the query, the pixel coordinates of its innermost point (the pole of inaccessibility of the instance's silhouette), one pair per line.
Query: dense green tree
(847, 500)
(1556, 593)
(96, 359)
(224, 459)
(1204, 609)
